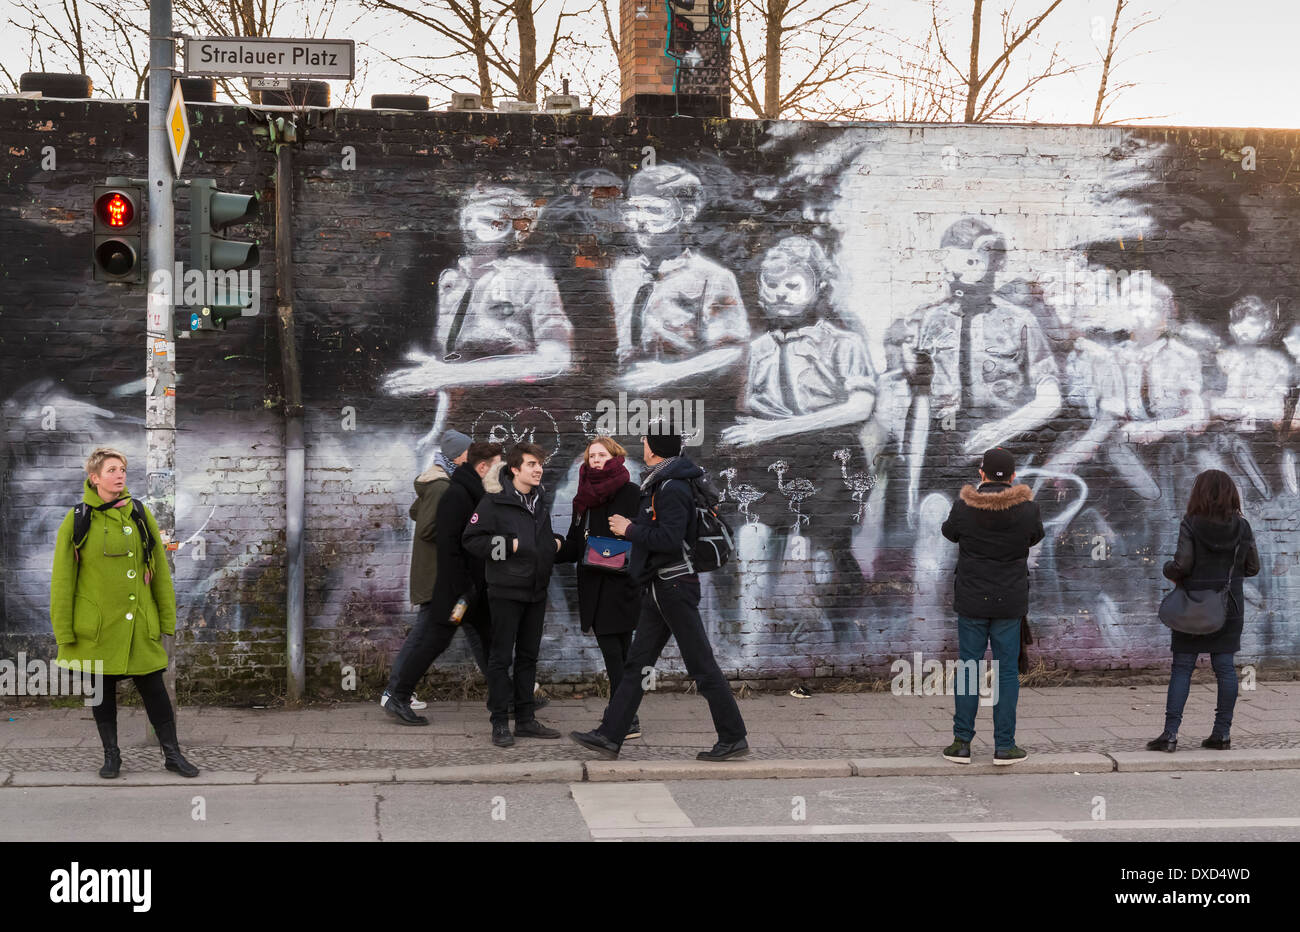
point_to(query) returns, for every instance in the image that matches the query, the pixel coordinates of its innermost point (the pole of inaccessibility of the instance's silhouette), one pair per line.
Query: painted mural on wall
(844, 397)
(843, 317)
(699, 37)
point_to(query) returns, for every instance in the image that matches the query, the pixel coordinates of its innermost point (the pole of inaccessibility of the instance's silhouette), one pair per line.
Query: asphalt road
(1192, 806)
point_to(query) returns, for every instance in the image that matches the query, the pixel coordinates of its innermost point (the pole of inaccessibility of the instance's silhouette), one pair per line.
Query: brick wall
(840, 567)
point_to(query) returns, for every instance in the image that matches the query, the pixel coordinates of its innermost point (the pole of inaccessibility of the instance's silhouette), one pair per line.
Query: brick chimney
(675, 57)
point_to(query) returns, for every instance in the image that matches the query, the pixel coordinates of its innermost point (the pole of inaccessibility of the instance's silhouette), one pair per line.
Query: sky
(1203, 62)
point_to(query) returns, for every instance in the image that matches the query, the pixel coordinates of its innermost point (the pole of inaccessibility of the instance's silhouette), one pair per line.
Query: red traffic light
(115, 210)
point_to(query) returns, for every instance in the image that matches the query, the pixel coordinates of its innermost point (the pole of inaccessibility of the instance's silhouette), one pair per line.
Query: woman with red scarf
(608, 602)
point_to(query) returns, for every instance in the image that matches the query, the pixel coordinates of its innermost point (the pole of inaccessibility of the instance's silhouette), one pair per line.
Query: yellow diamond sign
(178, 127)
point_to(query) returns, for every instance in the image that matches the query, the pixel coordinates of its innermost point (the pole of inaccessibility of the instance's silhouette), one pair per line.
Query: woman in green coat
(108, 604)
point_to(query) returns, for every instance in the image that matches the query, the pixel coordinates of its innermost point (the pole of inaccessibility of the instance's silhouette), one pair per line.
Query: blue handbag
(608, 554)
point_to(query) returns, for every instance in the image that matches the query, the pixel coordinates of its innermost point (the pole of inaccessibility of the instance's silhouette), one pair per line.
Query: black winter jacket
(993, 526)
(1202, 561)
(459, 571)
(522, 573)
(663, 520)
(608, 603)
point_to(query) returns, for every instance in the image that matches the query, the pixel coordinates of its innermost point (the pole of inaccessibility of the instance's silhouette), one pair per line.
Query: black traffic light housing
(211, 211)
(117, 255)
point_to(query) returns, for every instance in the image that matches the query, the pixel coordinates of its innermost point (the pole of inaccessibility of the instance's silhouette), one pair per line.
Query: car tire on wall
(299, 94)
(56, 84)
(399, 102)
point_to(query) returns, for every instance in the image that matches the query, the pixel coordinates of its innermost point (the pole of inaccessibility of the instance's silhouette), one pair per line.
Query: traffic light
(226, 293)
(117, 233)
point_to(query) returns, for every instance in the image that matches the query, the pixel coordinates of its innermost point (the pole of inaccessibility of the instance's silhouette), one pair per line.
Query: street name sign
(245, 57)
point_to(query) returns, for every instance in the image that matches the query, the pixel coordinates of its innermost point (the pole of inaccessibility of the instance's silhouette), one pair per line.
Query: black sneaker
(725, 750)
(634, 731)
(1216, 743)
(595, 741)
(534, 729)
(501, 736)
(1012, 755)
(402, 712)
(958, 752)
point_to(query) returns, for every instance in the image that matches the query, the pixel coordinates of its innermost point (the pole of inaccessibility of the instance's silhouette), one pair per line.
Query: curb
(1245, 759)
(604, 771)
(614, 770)
(937, 766)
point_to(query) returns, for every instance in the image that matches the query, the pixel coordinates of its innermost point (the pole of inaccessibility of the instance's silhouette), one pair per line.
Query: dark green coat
(429, 488)
(101, 608)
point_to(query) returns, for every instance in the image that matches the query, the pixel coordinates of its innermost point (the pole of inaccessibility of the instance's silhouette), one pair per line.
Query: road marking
(616, 809)
(928, 828)
(1040, 835)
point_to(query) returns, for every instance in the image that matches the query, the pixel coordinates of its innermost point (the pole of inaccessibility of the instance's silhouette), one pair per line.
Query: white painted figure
(805, 374)
(678, 314)
(499, 315)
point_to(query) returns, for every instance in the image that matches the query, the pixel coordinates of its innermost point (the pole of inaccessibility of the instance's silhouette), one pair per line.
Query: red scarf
(599, 485)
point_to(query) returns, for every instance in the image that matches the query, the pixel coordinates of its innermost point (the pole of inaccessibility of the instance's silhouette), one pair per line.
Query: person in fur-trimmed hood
(993, 525)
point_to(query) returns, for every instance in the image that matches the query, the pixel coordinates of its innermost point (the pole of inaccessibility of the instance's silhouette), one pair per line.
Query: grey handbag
(1204, 611)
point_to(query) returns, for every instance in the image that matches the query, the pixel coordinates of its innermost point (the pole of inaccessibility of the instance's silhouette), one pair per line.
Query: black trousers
(152, 690)
(615, 649)
(428, 639)
(517, 636)
(671, 608)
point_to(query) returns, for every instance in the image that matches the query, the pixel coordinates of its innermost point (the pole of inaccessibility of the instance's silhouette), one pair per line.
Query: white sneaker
(383, 700)
(416, 704)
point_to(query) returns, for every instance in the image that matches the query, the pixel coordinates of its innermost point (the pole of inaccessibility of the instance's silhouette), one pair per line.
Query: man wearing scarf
(670, 606)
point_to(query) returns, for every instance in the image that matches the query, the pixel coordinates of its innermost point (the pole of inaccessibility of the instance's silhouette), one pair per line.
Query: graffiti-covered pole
(160, 348)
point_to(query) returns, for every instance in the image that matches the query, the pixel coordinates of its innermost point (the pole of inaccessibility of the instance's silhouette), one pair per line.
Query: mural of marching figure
(678, 313)
(992, 376)
(809, 387)
(1257, 381)
(499, 314)
(499, 319)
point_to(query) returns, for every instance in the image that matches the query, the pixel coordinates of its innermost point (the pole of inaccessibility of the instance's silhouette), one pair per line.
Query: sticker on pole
(178, 127)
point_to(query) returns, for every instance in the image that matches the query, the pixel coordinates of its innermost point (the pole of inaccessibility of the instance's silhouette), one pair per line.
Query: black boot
(172, 758)
(112, 756)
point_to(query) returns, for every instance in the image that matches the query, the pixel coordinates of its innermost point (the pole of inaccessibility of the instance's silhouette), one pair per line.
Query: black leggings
(615, 648)
(150, 686)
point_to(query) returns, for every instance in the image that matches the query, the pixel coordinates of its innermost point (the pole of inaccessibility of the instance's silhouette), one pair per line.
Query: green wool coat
(101, 608)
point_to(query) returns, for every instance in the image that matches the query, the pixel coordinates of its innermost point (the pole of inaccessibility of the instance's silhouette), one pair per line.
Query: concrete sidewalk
(1065, 729)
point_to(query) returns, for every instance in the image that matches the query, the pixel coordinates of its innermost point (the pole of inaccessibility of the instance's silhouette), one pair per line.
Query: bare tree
(480, 31)
(986, 91)
(920, 86)
(801, 58)
(106, 41)
(1107, 90)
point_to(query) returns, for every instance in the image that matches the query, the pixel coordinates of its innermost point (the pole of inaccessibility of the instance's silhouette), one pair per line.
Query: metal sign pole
(160, 364)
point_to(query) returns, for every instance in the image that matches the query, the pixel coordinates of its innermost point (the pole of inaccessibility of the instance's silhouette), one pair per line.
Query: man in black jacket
(994, 526)
(459, 574)
(511, 531)
(670, 605)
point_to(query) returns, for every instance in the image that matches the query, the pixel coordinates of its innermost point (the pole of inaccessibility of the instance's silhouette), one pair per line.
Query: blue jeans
(1180, 684)
(973, 636)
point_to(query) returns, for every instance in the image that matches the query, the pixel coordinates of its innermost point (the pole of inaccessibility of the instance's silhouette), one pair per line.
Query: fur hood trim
(996, 501)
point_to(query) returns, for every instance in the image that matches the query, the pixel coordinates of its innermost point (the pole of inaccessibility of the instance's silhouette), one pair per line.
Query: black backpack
(709, 540)
(81, 525)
